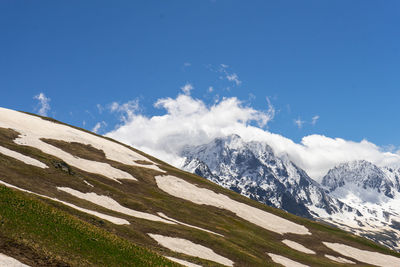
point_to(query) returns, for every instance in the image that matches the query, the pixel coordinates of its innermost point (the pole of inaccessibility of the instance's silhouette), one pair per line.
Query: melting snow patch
(285, 261)
(111, 204)
(32, 129)
(297, 246)
(182, 189)
(189, 248)
(366, 256)
(182, 262)
(86, 182)
(10, 262)
(21, 157)
(339, 259)
(185, 224)
(106, 217)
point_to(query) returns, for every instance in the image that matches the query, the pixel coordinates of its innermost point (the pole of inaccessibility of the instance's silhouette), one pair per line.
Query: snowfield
(32, 129)
(185, 224)
(182, 189)
(182, 262)
(21, 157)
(187, 247)
(285, 261)
(111, 204)
(339, 259)
(369, 257)
(10, 262)
(106, 217)
(297, 246)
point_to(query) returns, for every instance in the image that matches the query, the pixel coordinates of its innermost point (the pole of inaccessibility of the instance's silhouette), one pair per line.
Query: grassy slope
(244, 243)
(54, 237)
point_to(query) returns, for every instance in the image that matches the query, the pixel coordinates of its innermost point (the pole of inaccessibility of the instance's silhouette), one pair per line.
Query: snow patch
(32, 129)
(182, 262)
(187, 247)
(106, 217)
(285, 261)
(111, 204)
(182, 189)
(89, 184)
(21, 157)
(369, 257)
(185, 224)
(10, 262)
(297, 246)
(339, 259)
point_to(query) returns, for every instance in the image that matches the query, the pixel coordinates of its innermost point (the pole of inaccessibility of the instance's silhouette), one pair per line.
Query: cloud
(187, 88)
(210, 89)
(100, 108)
(189, 121)
(225, 74)
(187, 64)
(299, 123)
(98, 126)
(126, 110)
(314, 119)
(44, 104)
(233, 78)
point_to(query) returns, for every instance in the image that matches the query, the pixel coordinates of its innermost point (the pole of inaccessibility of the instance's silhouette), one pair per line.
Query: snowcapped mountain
(356, 196)
(252, 169)
(374, 192)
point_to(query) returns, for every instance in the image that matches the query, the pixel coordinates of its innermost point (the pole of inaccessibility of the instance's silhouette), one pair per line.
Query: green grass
(65, 239)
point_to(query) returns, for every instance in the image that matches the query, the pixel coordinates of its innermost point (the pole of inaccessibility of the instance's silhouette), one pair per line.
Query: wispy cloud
(44, 104)
(233, 78)
(126, 110)
(100, 108)
(187, 88)
(98, 126)
(187, 64)
(299, 123)
(314, 119)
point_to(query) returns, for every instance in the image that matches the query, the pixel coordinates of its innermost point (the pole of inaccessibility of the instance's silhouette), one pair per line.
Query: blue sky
(338, 60)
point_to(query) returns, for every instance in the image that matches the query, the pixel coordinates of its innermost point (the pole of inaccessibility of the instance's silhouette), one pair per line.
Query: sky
(316, 74)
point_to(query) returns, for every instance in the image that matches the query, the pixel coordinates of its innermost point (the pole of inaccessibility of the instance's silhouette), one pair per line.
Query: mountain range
(356, 196)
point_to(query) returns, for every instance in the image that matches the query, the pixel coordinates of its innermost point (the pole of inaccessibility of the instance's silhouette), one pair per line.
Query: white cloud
(100, 108)
(210, 89)
(126, 110)
(314, 119)
(189, 121)
(187, 88)
(233, 78)
(299, 123)
(98, 126)
(44, 104)
(187, 64)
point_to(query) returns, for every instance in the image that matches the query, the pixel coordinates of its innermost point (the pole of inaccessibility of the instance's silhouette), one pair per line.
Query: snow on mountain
(357, 196)
(252, 169)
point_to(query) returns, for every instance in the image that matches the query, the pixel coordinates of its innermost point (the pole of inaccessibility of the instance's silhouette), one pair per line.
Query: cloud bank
(189, 121)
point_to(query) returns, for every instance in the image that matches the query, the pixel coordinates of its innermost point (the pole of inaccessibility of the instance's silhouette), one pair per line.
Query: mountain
(253, 170)
(374, 192)
(69, 197)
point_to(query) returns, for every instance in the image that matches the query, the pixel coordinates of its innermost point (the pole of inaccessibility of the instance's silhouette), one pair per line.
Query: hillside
(71, 192)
